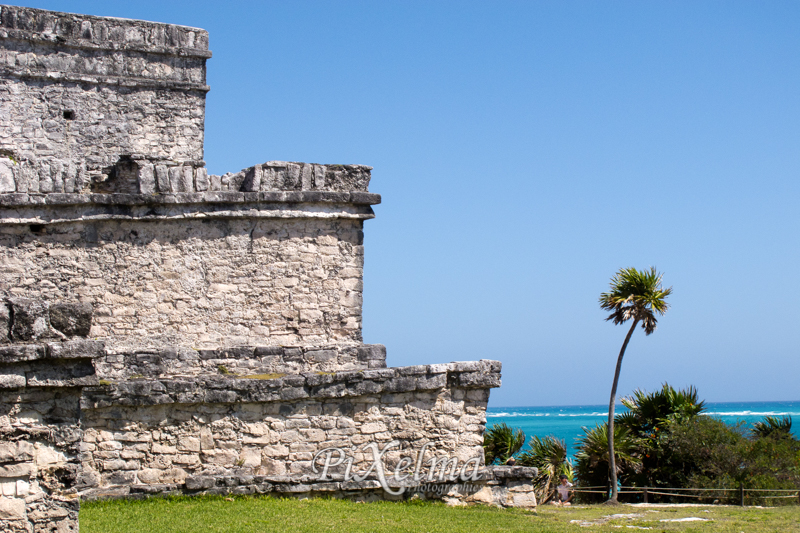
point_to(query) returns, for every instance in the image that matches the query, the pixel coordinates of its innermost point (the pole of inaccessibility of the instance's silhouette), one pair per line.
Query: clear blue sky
(525, 151)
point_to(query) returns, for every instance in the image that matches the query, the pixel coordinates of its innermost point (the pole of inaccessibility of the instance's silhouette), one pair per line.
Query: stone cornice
(19, 208)
(70, 30)
(484, 374)
(121, 81)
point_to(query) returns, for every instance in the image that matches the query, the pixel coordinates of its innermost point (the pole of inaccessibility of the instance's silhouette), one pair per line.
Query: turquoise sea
(566, 421)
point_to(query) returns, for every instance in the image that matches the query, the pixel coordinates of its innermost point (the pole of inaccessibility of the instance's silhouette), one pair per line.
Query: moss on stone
(264, 376)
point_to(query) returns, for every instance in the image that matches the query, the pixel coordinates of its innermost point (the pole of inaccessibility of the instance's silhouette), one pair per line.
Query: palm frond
(501, 441)
(549, 456)
(773, 427)
(593, 447)
(648, 410)
(637, 295)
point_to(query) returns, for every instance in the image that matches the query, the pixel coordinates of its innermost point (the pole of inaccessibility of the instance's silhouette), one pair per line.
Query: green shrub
(500, 442)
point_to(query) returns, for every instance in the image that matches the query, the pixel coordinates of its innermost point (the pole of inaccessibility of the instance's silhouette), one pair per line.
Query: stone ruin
(164, 330)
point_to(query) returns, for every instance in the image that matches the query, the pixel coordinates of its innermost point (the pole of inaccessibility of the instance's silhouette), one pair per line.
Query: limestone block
(292, 179)
(252, 180)
(70, 178)
(372, 352)
(200, 482)
(373, 427)
(271, 467)
(19, 451)
(319, 176)
(31, 319)
(189, 444)
(72, 318)
(47, 456)
(12, 509)
(8, 487)
(57, 173)
(147, 179)
(45, 180)
(7, 182)
(206, 440)
(162, 179)
(12, 379)
(201, 180)
(16, 470)
(187, 179)
(17, 353)
(176, 179)
(320, 356)
(23, 487)
(149, 476)
(526, 500)
(307, 177)
(250, 457)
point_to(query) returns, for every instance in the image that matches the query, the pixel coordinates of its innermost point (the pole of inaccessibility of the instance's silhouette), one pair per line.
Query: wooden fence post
(741, 493)
(645, 495)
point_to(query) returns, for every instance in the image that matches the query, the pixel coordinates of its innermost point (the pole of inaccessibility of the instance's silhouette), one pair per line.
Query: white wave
(750, 413)
(571, 415)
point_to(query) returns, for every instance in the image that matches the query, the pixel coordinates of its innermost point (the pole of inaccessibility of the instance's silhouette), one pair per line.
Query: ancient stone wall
(145, 432)
(81, 93)
(40, 427)
(201, 283)
(163, 330)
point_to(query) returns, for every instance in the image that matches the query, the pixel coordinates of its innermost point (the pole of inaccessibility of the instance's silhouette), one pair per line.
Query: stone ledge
(72, 349)
(122, 81)
(40, 38)
(495, 482)
(107, 33)
(62, 208)
(239, 360)
(211, 197)
(48, 373)
(275, 388)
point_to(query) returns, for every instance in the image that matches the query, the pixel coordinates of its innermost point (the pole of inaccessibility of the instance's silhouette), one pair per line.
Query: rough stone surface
(31, 319)
(5, 323)
(238, 361)
(128, 74)
(195, 283)
(168, 331)
(72, 318)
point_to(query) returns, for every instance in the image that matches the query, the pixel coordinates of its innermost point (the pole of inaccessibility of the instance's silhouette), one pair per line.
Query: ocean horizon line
(619, 404)
(723, 409)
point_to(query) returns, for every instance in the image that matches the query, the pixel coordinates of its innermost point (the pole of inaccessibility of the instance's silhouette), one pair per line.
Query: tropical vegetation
(638, 296)
(549, 455)
(501, 442)
(662, 443)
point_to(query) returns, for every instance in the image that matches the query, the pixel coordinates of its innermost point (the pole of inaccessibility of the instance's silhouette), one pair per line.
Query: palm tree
(649, 418)
(634, 295)
(549, 456)
(501, 442)
(773, 427)
(592, 455)
(648, 410)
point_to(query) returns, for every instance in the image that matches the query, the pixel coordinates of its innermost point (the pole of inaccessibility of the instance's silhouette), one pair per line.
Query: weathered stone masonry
(163, 330)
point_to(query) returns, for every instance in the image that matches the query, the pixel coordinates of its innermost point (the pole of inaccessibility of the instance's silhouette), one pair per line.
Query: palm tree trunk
(612, 462)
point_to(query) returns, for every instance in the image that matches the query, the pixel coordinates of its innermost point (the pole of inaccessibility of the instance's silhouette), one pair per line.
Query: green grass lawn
(256, 514)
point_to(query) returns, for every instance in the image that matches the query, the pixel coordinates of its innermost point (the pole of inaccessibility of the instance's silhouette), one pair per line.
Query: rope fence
(682, 492)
